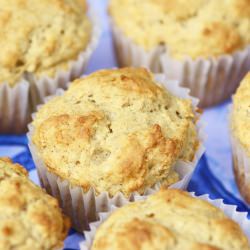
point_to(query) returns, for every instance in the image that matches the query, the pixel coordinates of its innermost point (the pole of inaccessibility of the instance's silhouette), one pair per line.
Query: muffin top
(169, 219)
(116, 130)
(40, 37)
(30, 218)
(195, 28)
(241, 113)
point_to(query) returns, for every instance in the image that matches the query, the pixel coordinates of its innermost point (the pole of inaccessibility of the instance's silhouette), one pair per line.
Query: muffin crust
(170, 219)
(196, 28)
(29, 218)
(40, 37)
(116, 131)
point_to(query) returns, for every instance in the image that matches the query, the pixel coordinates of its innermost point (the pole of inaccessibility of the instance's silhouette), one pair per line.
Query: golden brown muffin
(30, 219)
(240, 129)
(169, 220)
(196, 28)
(116, 130)
(40, 37)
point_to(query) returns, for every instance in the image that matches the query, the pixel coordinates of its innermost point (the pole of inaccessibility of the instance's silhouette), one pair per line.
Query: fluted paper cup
(229, 210)
(130, 54)
(19, 102)
(14, 107)
(83, 207)
(212, 80)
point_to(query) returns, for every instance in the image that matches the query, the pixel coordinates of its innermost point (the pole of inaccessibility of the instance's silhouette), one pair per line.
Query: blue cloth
(213, 175)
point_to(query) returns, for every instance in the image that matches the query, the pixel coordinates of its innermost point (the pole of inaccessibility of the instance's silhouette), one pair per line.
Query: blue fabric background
(214, 172)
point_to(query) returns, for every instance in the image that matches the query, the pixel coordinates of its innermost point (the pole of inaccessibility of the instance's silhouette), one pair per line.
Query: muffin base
(19, 102)
(129, 54)
(84, 207)
(229, 210)
(212, 80)
(14, 107)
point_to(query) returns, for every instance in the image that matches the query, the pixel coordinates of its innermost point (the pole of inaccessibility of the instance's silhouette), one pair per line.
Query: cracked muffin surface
(35, 39)
(197, 28)
(30, 219)
(116, 131)
(169, 220)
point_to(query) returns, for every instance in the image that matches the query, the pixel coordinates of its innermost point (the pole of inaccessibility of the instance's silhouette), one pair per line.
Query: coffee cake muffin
(44, 45)
(170, 219)
(198, 42)
(118, 130)
(30, 218)
(240, 134)
(115, 131)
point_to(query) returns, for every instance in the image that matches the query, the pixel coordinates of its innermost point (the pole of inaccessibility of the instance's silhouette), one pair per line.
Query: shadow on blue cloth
(204, 182)
(24, 158)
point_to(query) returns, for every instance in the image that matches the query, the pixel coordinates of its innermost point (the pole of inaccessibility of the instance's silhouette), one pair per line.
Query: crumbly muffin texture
(40, 37)
(29, 218)
(240, 120)
(169, 220)
(195, 28)
(116, 130)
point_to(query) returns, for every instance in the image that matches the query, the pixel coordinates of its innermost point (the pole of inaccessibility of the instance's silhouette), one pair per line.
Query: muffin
(240, 133)
(203, 44)
(30, 218)
(39, 54)
(170, 219)
(114, 132)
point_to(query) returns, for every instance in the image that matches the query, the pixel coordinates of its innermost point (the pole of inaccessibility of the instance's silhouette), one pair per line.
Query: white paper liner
(241, 164)
(14, 107)
(129, 54)
(83, 208)
(212, 80)
(229, 210)
(17, 103)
